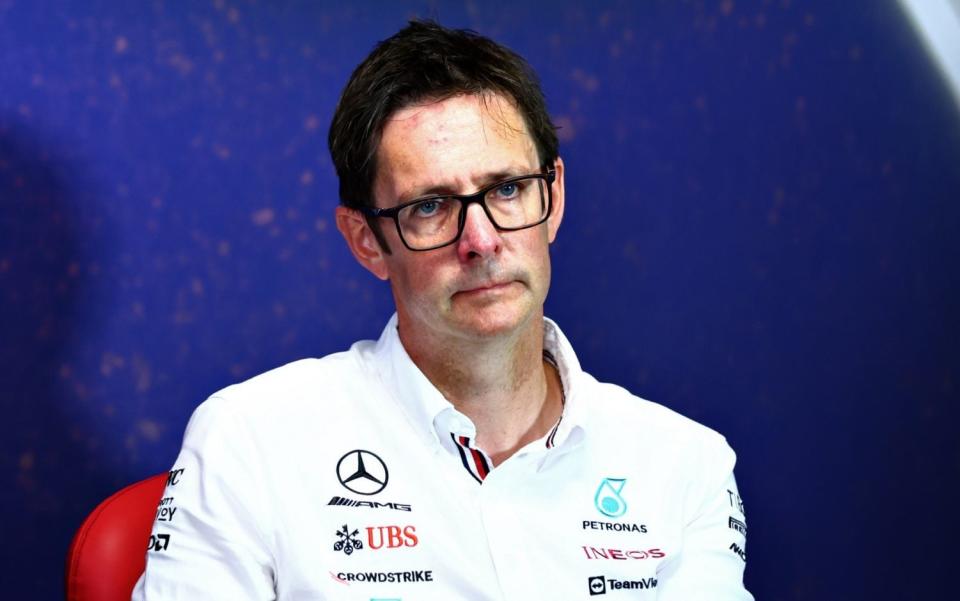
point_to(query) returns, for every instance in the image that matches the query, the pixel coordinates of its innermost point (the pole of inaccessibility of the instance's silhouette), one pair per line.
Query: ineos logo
(362, 472)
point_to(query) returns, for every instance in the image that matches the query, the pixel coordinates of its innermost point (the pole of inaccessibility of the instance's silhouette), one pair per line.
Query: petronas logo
(608, 500)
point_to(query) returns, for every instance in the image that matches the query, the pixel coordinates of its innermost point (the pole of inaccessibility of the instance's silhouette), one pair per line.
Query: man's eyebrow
(486, 180)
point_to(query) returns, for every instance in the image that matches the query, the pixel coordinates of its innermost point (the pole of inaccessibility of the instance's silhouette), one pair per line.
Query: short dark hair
(426, 61)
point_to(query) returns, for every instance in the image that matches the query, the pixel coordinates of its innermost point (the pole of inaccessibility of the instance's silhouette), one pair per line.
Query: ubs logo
(608, 500)
(348, 541)
(392, 537)
(378, 537)
(362, 472)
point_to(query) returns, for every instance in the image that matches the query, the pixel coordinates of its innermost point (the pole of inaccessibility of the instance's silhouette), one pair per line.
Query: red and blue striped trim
(477, 464)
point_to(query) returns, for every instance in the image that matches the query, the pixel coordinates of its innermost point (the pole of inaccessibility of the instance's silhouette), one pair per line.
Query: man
(465, 454)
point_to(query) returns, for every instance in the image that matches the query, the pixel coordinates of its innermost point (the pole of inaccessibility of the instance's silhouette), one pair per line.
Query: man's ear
(362, 241)
(556, 213)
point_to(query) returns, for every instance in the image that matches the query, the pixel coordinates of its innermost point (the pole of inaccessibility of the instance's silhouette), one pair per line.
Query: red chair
(108, 552)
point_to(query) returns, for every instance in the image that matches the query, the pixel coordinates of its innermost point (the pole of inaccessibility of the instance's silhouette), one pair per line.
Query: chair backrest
(108, 552)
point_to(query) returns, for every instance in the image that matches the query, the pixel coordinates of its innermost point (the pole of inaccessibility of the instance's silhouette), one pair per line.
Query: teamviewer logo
(597, 585)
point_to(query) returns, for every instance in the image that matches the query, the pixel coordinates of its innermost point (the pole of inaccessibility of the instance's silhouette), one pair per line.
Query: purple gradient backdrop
(761, 233)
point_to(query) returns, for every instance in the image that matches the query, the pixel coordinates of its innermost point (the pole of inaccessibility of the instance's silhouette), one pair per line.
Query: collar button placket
(503, 522)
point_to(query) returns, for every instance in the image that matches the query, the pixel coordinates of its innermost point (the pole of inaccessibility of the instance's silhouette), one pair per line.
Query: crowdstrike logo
(406, 577)
(362, 472)
(608, 499)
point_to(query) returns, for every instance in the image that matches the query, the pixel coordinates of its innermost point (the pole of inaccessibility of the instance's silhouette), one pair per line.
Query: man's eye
(428, 208)
(508, 190)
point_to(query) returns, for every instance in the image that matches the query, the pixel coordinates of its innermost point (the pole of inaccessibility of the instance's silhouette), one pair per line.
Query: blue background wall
(761, 234)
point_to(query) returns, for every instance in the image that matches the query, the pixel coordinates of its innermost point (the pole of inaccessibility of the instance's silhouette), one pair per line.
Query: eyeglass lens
(514, 204)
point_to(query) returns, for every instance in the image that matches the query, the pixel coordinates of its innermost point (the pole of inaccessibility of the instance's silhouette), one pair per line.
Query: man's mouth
(486, 287)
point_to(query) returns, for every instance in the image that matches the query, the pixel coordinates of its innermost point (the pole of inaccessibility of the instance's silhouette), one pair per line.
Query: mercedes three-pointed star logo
(362, 472)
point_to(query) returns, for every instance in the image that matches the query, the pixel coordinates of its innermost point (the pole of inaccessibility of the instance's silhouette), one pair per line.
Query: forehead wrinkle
(507, 126)
(493, 105)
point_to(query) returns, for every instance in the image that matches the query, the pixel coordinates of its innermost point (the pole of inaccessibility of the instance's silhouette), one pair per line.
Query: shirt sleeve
(713, 556)
(208, 539)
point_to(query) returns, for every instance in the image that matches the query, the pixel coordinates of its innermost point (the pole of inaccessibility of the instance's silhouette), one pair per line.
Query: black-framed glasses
(436, 221)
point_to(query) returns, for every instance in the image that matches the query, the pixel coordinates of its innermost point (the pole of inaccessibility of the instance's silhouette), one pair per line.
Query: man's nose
(480, 237)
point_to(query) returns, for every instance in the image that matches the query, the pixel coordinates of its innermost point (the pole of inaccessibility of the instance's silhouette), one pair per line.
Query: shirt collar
(570, 430)
(418, 397)
(434, 417)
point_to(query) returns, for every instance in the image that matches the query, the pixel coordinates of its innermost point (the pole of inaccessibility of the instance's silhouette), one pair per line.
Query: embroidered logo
(348, 542)
(362, 472)
(597, 585)
(608, 500)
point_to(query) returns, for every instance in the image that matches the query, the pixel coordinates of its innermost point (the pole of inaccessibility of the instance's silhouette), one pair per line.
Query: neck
(501, 383)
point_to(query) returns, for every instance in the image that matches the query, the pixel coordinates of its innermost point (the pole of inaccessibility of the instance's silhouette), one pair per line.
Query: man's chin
(492, 321)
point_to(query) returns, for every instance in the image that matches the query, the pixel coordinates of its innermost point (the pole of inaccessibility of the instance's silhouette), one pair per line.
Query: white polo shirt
(351, 477)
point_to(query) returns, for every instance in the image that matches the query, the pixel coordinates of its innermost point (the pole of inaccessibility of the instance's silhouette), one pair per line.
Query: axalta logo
(608, 499)
(377, 537)
(599, 585)
(622, 554)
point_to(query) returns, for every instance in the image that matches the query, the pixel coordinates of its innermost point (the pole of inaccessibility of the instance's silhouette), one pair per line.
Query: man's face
(488, 282)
